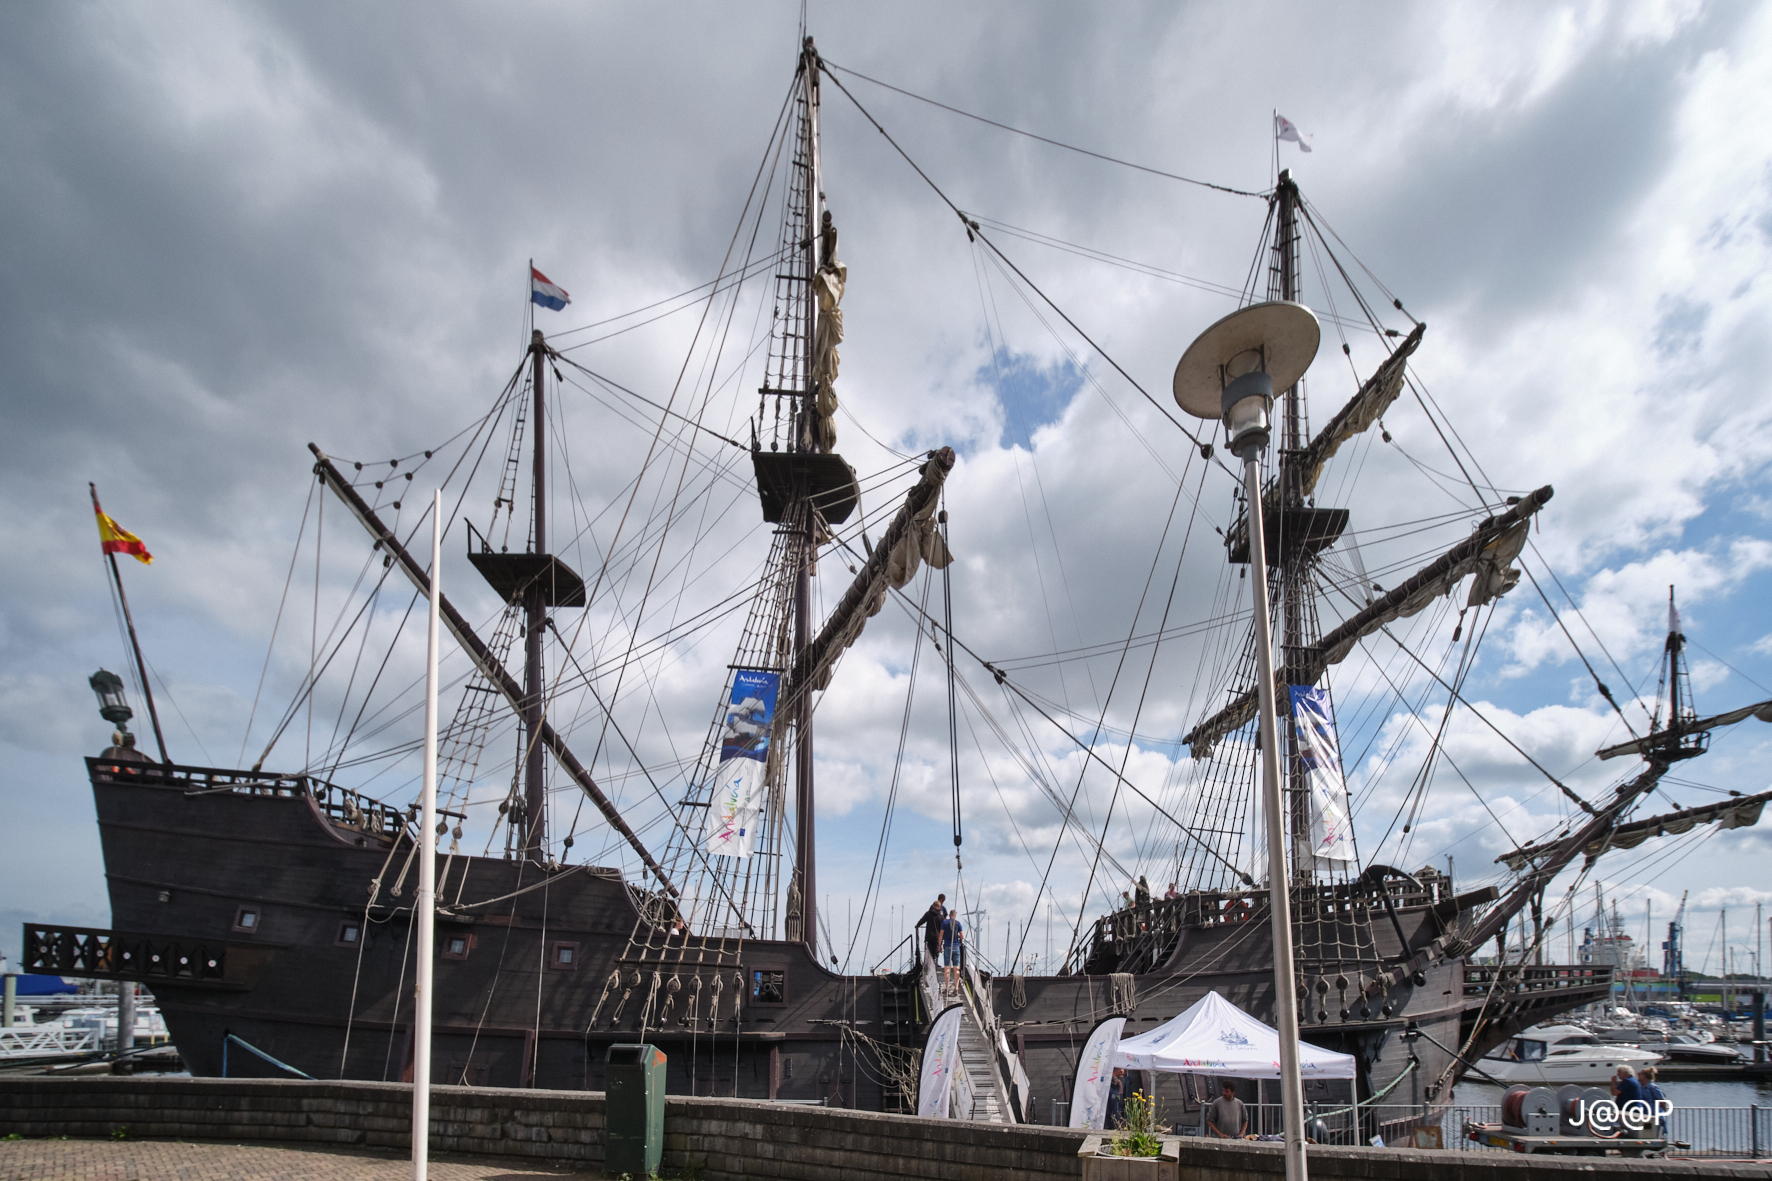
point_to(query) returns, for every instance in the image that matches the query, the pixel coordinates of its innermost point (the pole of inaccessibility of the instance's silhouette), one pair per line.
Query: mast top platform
(823, 478)
(1283, 335)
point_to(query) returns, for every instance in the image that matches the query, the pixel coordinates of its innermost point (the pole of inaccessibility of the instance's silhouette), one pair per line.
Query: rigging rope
(1204, 184)
(972, 227)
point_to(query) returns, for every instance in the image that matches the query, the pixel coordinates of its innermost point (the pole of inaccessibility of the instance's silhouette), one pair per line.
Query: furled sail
(1488, 553)
(1761, 710)
(1737, 812)
(909, 541)
(827, 287)
(1364, 409)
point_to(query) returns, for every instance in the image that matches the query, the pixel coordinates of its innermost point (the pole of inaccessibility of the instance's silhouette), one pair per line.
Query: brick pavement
(162, 1160)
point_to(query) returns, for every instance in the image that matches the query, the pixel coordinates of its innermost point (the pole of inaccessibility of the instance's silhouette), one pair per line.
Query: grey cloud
(247, 226)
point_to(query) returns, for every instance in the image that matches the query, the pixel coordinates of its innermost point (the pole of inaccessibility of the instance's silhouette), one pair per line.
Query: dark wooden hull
(187, 851)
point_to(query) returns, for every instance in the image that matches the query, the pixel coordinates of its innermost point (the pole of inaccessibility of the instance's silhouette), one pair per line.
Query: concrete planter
(1100, 1167)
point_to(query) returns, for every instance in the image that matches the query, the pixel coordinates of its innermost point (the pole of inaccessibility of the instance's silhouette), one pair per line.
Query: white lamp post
(1230, 373)
(425, 905)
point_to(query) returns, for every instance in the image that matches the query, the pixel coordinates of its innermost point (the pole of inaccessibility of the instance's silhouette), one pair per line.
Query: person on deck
(1171, 894)
(930, 924)
(1226, 1117)
(1143, 893)
(1116, 1108)
(953, 946)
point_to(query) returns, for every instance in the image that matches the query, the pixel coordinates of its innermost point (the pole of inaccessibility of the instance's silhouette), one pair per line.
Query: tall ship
(270, 910)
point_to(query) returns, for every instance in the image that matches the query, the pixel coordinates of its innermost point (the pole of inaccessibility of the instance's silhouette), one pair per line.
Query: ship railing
(341, 805)
(1480, 979)
(892, 954)
(1145, 934)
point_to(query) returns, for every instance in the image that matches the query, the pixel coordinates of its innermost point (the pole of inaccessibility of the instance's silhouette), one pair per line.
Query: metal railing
(48, 1041)
(1705, 1132)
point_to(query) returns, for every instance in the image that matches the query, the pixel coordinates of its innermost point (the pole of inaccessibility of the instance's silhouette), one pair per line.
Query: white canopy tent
(1213, 1036)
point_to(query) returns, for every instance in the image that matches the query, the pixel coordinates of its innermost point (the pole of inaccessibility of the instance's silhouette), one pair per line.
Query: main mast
(805, 439)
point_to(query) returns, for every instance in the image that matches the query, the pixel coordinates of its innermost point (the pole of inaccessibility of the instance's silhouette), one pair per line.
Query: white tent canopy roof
(1213, 1036)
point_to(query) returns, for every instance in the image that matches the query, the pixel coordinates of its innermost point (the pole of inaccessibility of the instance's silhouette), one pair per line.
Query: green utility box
(634, 1097)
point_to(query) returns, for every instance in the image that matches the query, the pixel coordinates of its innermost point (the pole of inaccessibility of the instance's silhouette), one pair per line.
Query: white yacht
(1550, 1055)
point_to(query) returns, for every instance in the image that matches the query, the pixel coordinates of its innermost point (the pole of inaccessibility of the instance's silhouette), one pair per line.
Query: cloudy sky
(235, 229)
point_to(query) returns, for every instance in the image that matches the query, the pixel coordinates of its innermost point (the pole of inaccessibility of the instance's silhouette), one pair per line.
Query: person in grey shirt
(1225, 1117)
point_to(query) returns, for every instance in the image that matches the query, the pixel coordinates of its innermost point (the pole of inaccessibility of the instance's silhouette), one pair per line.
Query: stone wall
(721, 1139)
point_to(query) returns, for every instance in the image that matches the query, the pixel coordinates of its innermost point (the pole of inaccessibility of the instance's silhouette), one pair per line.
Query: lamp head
(113, 706)
(1231, 371)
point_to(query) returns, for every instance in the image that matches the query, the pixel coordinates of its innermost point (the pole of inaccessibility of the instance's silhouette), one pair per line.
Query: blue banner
(740, 783)
(1319, 757)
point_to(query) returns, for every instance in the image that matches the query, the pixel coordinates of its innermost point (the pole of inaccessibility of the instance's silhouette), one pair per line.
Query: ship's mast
(536, 615)
(1296, 616)
(1679, 706)
(805, 880)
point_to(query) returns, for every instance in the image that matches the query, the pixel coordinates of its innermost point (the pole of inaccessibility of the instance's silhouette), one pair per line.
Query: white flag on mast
(1285, 129)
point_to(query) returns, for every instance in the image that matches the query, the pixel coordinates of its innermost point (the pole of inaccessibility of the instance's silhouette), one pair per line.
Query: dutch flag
(542, 290)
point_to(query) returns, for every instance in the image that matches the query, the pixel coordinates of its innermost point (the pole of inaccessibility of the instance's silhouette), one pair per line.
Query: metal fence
(1713, 1132)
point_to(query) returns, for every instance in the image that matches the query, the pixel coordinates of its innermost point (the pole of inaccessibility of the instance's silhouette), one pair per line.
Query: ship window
(246, 919)
(565, 957)
(457, 944)
(768, 988)
(349, 934)
(1531, 1051)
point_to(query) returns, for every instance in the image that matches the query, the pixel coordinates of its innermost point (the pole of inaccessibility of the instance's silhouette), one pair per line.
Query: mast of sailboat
(805, 880)
(536, 617)
(135, 645)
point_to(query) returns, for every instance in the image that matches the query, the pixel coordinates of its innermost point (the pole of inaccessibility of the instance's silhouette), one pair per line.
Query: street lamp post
(1230, 374)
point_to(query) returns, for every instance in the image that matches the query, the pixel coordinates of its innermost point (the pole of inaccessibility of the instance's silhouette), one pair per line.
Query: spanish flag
(115, 539)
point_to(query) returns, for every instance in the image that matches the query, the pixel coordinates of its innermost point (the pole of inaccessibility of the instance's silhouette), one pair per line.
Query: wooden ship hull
(238, 897)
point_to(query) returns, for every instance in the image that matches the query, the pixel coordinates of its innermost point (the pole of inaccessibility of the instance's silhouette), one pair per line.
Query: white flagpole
(427, 871)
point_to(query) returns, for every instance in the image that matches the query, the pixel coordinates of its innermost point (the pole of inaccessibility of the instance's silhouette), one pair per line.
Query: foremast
(1298, 611)
(535, 611)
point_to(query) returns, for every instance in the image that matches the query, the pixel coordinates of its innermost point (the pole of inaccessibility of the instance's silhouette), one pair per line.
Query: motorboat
(1550, 1055)
(1692, 1049)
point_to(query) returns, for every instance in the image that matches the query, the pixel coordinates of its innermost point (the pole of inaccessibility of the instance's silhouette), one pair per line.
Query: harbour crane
(1673, 959)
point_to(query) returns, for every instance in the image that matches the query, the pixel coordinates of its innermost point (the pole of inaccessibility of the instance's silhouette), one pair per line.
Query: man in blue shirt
(953, 938)
(1627, 1090)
